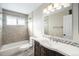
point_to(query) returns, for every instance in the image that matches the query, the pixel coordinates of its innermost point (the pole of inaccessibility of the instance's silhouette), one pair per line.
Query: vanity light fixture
(55, 6)
(51, 8)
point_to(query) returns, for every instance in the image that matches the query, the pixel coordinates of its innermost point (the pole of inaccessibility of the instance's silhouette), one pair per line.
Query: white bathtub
(12, 48)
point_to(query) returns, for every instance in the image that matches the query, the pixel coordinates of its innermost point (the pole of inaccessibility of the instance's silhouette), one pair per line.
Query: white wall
(38, 25)
(75, 22)
(30, 24)
(0, 26)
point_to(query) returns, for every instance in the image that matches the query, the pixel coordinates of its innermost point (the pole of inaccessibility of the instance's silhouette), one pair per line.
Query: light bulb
(45, 10)
(50, 7)
(57, 6)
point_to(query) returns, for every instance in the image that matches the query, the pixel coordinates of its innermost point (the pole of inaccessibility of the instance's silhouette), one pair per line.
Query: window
(12, 20)
(21, 21)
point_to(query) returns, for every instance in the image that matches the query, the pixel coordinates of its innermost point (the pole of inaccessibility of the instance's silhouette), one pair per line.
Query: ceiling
(24, 8)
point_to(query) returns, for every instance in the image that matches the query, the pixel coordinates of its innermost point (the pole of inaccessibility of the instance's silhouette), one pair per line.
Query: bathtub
(10, 49)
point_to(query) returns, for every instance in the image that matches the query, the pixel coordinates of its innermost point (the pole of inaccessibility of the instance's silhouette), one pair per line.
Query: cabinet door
(36, 49)
(50, 53)
(43, 51)
(47, 52)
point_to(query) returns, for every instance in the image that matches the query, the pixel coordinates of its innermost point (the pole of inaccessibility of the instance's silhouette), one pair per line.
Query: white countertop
(62, 48)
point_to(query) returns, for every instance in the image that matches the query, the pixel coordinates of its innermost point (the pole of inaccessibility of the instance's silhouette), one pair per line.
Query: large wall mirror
(58, 20)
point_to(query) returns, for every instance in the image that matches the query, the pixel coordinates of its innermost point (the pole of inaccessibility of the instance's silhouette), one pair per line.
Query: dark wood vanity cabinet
(36, 48)
(39, 50)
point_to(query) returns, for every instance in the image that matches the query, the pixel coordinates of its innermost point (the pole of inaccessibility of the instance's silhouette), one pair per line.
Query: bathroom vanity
(40, 50)
(47, 47)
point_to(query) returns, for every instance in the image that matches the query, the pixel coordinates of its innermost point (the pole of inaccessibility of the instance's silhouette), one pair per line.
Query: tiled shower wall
(14, 33)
